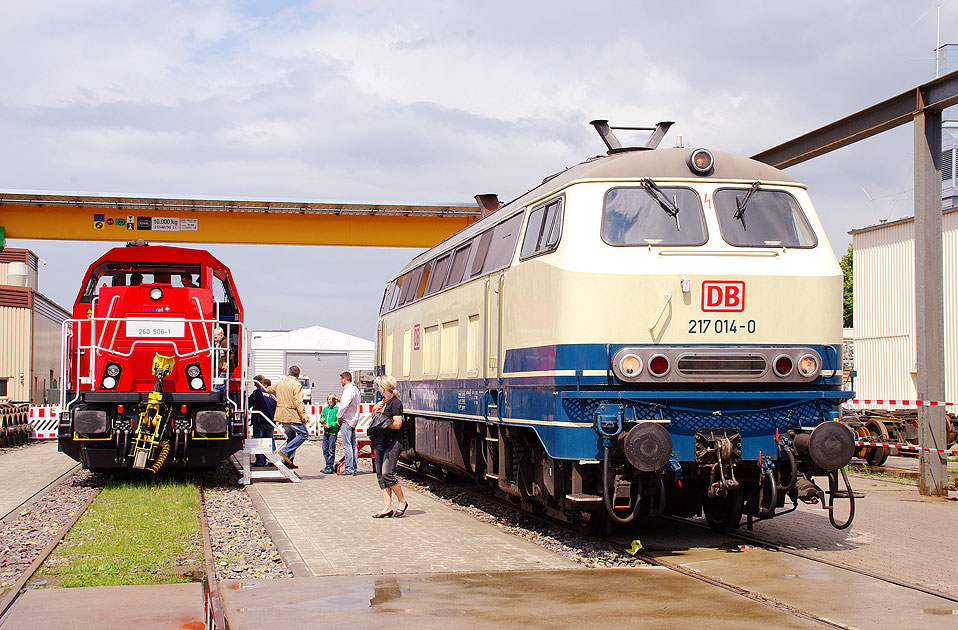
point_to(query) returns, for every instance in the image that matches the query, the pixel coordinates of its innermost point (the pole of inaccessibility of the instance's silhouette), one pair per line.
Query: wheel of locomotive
(724, 515)
(878, 433)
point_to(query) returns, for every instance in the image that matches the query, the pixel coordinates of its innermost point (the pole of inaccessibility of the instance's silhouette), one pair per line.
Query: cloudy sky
(426, 102)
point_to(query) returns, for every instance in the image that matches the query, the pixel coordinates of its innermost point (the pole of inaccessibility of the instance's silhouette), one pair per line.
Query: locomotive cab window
(542, 232)
(653, 216)
(752, 217)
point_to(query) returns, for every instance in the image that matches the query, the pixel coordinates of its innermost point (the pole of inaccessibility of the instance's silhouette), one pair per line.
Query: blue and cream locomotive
(652, 331)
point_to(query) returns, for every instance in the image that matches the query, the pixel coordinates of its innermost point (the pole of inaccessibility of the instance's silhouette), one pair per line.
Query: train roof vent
(605, 132)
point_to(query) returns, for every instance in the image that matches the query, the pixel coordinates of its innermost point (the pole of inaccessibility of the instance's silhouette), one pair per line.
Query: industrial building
(321, 354)
(30, 327)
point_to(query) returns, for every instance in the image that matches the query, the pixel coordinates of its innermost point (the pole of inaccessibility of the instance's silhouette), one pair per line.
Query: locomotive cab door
(492, 346)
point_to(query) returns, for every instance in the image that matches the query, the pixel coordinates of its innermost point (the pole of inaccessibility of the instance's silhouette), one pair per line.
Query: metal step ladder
(243, 462)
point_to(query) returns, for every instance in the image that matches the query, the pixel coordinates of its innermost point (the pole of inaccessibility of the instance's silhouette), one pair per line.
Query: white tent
(321, 354)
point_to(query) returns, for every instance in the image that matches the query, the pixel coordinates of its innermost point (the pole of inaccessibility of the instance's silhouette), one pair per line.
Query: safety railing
(200, 338)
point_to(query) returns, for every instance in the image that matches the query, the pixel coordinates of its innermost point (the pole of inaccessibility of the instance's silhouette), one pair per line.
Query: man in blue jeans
(262, 407)
(348, 415)
(291, 412)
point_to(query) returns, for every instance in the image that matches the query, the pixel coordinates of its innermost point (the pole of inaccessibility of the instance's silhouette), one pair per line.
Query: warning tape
(894, 401)
(907, 447)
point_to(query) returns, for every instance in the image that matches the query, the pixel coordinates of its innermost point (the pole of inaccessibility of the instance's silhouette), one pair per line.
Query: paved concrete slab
(598, 598)
(896, 532)
(25, 471)
(150, 607)
(327, 519)
(834, 593)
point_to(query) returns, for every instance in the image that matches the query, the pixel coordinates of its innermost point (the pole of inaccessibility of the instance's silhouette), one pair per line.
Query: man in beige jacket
(291, 413)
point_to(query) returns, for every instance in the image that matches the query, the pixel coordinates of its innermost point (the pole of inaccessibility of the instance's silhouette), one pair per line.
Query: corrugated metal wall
(269, 363)
(884, 310)
(361, 360)
(47, 320)
(15, 352)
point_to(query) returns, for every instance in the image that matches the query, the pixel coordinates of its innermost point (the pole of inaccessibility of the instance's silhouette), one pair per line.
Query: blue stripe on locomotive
(557, 407)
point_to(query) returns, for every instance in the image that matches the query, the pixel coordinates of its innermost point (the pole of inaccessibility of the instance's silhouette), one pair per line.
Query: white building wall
(884, 310)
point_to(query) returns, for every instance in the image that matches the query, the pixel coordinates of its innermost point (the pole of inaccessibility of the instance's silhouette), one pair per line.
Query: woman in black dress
(387, 444)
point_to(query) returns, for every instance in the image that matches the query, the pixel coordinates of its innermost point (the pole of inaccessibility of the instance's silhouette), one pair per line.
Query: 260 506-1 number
(721, 326)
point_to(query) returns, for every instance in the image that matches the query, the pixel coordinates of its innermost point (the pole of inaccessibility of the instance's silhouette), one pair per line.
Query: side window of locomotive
(641, 216)
(542, 232)
(440, 268)
(481, 251)
(503, 245)
(458, 266)
(410, 284)
(769, 218)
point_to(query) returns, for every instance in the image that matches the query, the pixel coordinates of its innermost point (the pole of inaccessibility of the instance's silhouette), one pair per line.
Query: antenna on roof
(605, 132)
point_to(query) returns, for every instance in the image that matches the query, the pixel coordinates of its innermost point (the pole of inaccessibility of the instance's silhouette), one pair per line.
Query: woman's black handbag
(380, 421)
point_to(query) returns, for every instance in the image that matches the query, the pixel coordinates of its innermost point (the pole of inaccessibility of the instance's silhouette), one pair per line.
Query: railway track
(677, 566)
(213, 604)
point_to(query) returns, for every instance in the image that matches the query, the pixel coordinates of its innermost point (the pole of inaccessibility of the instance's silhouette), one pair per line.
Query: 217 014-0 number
(721, 326)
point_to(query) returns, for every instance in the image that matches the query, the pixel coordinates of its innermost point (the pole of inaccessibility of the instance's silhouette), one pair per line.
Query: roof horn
(605, 132)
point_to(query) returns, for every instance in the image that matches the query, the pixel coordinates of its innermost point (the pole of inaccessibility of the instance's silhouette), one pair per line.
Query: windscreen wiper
(671, 207)
(740, 215)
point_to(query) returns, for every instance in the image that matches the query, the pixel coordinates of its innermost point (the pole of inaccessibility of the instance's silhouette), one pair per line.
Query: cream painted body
(587, 291)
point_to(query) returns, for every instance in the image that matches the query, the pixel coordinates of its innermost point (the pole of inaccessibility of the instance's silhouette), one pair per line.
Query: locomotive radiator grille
(686, 420)
(722, 365)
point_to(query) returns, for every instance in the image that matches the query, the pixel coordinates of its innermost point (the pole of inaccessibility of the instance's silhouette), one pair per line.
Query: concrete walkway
(25, 471)
(149, 607)
(327, 519)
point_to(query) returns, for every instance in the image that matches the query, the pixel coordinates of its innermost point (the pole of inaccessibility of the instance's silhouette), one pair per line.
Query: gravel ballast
(241, 547)
(26, 533)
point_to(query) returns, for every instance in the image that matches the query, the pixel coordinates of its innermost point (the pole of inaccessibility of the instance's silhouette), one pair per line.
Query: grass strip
(138, 531)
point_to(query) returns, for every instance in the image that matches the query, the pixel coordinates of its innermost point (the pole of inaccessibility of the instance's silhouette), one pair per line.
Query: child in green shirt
(330, 426)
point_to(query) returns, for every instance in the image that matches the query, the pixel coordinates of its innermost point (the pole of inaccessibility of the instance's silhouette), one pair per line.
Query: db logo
(723, 296)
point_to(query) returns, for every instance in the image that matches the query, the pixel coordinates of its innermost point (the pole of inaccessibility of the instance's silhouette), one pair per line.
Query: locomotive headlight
(630, 365)
(110, 375)
(193, 370)
(808, 365)
(196, 383)
(701, 162)
(155, 293)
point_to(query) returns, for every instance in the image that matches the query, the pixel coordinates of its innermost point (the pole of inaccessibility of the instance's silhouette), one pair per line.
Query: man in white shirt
(348, 416)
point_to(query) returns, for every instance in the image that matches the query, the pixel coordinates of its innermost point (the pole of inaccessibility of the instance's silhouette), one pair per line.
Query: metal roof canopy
(923, 105)
(105, 218)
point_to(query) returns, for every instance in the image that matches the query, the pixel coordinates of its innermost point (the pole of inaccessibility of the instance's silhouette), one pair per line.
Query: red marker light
(119, 408)
(659, 365)
(182, 408)
(783, 365)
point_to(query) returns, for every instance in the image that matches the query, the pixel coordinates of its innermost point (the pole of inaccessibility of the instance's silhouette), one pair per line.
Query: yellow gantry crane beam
(100, 218)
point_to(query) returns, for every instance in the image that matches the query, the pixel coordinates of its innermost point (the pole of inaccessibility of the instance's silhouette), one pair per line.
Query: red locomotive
(154, 362)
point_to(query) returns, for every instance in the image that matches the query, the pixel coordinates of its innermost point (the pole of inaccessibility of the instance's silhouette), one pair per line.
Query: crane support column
(929, 301)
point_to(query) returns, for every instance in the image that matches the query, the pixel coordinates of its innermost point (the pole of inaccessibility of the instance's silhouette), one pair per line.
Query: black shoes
(388, 514)
(403, 510)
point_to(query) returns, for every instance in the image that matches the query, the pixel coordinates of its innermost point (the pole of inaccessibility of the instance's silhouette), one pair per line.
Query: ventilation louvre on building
(947, 164)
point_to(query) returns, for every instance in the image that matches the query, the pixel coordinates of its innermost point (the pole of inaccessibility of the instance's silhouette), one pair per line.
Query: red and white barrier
(902, 403)
(315, 429)
(907, 447)
(43, 422)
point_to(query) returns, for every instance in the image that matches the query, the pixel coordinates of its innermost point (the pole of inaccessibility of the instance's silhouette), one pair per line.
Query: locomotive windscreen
(120, 274)
(635, 216)
(771, 218)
